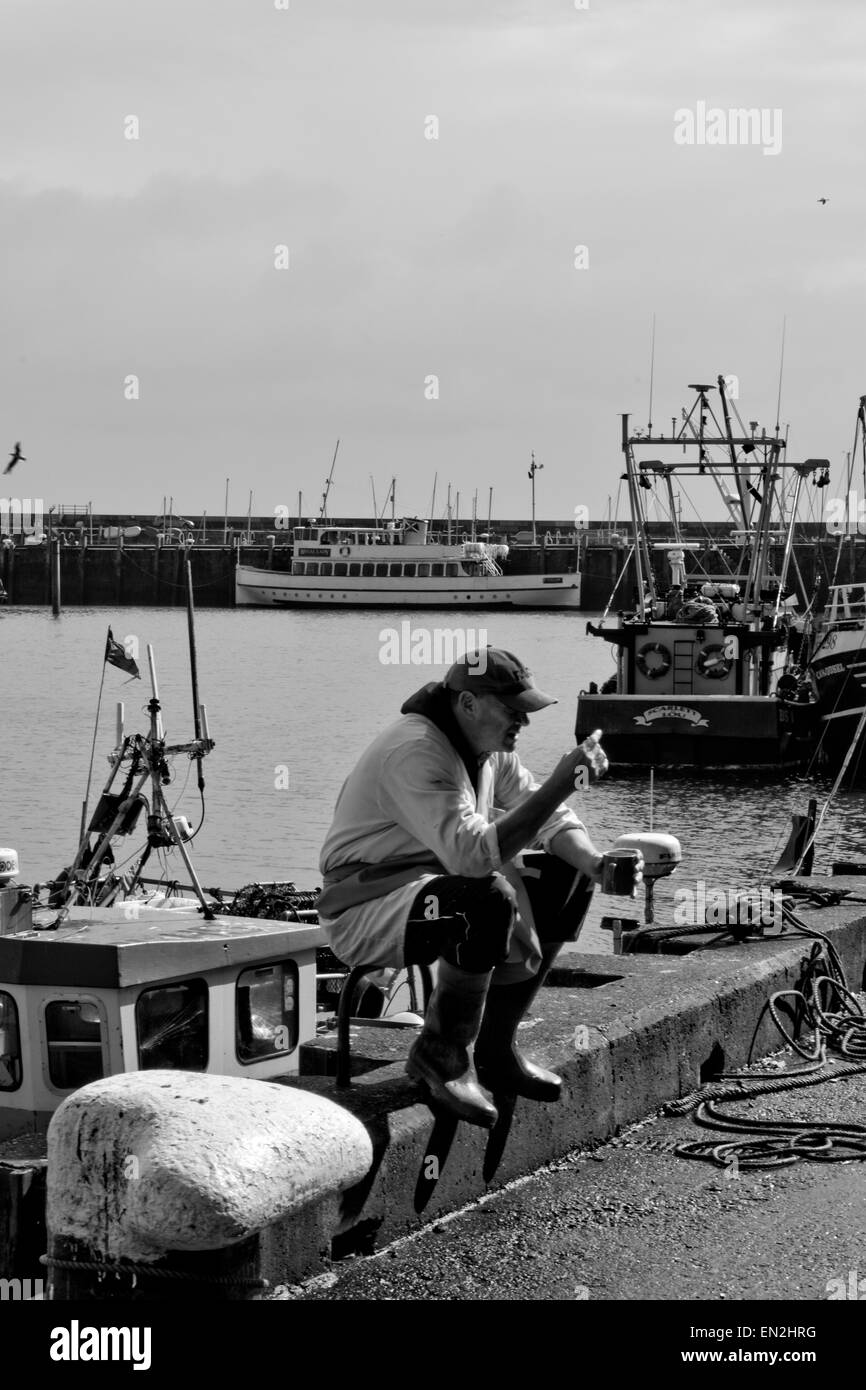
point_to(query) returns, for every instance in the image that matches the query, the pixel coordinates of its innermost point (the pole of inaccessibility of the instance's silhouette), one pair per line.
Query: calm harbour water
(305, 691)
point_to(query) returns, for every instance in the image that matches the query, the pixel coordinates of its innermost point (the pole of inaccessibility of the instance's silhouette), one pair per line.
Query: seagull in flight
(822, 200)
(15, 457)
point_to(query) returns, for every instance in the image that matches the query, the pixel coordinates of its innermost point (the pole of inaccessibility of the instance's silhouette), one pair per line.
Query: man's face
(497, 725)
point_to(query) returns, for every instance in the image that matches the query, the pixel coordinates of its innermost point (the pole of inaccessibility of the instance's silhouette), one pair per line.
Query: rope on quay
(833, 1012)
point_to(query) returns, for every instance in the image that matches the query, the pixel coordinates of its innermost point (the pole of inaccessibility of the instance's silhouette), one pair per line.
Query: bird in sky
(822, 200)
(15, 457)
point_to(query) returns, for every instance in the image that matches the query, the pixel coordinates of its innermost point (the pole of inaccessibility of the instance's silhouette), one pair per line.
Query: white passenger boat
(398, 566)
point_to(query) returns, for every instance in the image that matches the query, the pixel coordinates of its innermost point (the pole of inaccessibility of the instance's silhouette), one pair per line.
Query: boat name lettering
(692, 716)
(314, 550)
(835, 670)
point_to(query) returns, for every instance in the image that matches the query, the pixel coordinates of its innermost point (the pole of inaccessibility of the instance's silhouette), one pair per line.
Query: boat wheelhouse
(398, 566)
(130, 988)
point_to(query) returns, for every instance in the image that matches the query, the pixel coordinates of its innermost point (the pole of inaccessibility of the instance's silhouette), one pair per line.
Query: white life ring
(713, 663)
(345, 550)
(659, 666)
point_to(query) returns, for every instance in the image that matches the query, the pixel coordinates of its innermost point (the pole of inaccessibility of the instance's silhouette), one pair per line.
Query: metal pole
(532, 476)
(636, 519)
(55, 580)
(226, 519)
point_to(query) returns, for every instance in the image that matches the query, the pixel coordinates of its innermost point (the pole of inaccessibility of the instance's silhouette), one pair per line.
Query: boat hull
(698, 731)
(263, 588)
(839, 669)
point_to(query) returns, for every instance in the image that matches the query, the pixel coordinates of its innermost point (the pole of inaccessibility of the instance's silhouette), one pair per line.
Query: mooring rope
(836, 1016)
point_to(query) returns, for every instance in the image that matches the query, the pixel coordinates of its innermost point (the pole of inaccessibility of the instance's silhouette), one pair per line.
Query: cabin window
(297, 567)
(437, 571)
(452, 570)
(341, 568)
(326, 568)
(328, 538)
(73, 1035)
(266, 1011)
(354, 569)
(395, 571)
(423, 571)
(409, 571)
(381, 571)
(171, 1025)
(10, 1044)
(367, 570)
(312, 567)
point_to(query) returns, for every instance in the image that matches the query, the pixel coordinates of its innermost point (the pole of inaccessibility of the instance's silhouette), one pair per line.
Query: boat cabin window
(266, 1011)
(452, 570)
(297, 567)
(171, 1023)
(10, 1044)
(73, 1036)
(395, 571)
(355, 569)
(312, 567)
(367, 570)
(326, 567)
(381, 571)
(341, 568)
(328, 538)
(423, 571)
(437, 571)
(409, 570)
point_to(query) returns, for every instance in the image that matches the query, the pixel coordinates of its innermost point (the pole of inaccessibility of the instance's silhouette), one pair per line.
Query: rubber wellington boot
(501, 1064)
(442, 1056)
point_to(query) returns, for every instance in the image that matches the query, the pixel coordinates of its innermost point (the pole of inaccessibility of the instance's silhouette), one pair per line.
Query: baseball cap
(492, 671)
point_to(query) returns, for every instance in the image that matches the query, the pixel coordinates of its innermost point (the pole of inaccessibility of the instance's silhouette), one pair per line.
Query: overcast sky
(410, 257)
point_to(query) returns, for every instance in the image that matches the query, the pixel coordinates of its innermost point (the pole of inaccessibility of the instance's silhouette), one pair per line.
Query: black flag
(116, 656)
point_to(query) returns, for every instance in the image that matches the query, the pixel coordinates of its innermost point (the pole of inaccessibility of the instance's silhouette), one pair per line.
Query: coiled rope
(827, 1006)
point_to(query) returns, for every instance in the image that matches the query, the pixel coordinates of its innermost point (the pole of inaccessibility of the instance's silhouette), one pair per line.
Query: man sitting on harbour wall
(423, 862)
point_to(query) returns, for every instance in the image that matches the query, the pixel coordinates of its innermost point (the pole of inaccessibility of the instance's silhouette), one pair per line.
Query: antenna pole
(323, 512)
(781, 369)
(652, 377)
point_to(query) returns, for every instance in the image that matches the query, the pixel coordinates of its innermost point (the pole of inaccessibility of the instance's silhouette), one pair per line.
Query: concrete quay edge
(650, 1034)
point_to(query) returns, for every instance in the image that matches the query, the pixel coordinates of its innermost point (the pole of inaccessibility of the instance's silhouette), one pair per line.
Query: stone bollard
(159, 1182)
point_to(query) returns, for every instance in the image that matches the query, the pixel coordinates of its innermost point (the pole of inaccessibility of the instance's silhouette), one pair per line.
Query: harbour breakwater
(99, 565)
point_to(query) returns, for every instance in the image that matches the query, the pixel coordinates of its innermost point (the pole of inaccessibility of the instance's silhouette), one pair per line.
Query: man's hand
(580, 766)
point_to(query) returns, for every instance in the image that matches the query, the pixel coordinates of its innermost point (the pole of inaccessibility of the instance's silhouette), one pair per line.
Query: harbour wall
(149, 570)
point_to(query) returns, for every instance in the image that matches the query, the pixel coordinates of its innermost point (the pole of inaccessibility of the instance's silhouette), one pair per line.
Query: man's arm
(577, 849)
(520, 826)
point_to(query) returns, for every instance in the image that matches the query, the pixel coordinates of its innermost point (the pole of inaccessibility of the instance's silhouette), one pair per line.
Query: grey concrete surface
(628, 1222)
(645, 1037)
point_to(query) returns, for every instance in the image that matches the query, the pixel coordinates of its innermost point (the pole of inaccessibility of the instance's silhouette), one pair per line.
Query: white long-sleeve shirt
(407, 812)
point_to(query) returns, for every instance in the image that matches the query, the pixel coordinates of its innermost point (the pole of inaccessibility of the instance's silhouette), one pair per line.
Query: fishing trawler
(837, 643)
(708, 670)
(398, 566)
